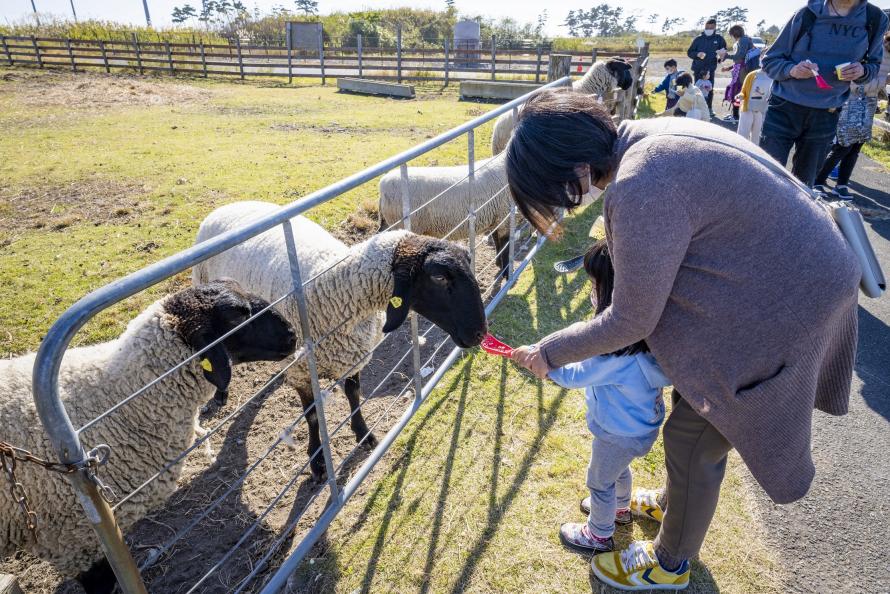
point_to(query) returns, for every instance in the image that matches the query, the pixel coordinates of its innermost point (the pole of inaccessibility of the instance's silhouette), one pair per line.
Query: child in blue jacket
(668, 85)
(624, 412)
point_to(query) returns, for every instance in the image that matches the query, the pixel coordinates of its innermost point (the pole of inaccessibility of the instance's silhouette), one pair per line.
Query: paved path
(836, 538)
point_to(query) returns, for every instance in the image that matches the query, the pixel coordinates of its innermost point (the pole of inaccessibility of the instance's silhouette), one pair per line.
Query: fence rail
(399, 63)
(69, 442)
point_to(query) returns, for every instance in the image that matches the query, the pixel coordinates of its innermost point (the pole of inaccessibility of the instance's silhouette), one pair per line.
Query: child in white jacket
(624, 412)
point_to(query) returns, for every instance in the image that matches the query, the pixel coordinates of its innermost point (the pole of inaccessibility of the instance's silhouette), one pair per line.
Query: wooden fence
(400, 64)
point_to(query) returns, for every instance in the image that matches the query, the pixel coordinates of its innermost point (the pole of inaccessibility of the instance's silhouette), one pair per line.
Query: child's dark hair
(684, 80)
(598, 265)
(672, 63)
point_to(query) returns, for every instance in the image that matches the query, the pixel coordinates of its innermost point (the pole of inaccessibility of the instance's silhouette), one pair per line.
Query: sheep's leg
(316, 464)
(501, 240)
(353, 390)
(98, 579)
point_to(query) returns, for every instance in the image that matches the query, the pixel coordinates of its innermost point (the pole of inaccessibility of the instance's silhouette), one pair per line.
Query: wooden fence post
(170, 58)
(399, 52)
(240, 59)
(37, 51)
(538, 65)
(593, 53)
(321, 54)
(70, 55)
(447, 62)
(203, 59)
(290, 53)
(138, 55)
(6, 49)
(104, 57)
(493, 55)
(358, 45)
(560, 66)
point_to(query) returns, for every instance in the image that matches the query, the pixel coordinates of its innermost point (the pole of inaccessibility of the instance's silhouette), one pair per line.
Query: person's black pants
(709, 98)
(807, 129)
(846, 156)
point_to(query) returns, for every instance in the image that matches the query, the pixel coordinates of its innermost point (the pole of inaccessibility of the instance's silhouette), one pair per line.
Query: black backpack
(873, 16)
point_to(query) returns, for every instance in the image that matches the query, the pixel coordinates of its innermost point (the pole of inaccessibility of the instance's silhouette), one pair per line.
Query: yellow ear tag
(205, 364)
(396, 302)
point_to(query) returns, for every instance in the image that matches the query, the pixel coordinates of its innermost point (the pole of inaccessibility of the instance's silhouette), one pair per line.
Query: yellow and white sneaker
(644, 503)
(637, 568)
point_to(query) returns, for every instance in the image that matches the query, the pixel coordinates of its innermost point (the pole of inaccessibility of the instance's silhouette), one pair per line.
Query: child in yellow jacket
(754, 98)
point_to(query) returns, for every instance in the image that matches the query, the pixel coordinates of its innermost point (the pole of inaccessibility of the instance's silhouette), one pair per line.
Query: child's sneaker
(637, 568)
(579, 537)
(623, 516)
(835, 173)
(644, 503)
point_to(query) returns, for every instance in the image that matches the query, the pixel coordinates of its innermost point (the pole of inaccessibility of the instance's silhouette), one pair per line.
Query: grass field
(103, 175)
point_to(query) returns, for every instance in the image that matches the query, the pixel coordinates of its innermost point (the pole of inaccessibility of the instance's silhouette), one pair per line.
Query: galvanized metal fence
(68, 440)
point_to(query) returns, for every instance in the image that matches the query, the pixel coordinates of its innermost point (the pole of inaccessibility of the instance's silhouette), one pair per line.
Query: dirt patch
(92, 89)
(360, 224)
(54, 207)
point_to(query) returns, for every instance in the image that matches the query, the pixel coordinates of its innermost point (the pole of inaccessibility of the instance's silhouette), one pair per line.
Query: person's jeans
(846, 156)
(695, 455)
(809, 130)
(610, 480)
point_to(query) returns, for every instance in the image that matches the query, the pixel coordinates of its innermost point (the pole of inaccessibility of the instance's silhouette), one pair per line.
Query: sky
(130, 11)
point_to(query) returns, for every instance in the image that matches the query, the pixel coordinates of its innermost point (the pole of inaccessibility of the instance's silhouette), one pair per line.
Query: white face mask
(709, 32)
(593, 193)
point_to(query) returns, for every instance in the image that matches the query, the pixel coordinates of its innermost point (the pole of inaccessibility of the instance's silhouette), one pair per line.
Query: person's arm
(594, 371)
(651, 231)
(875, 55)
(776, 62)
(693, 50)
(664, 86)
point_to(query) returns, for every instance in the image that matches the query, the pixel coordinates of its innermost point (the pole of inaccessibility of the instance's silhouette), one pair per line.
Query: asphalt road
(837, 538)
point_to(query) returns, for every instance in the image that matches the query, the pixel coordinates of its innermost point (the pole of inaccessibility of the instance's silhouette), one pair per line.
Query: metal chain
(10, 455)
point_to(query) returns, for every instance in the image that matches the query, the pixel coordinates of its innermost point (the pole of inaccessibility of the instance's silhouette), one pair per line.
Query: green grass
(171, 165)
(879, 148)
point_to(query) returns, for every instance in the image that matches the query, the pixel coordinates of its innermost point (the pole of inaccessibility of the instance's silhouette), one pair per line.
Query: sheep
(446, 212)
(396, 271)
(600, 79)
(149, 431)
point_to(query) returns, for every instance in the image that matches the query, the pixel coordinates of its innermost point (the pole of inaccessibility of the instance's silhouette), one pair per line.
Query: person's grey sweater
(747, 296)
(833, 40)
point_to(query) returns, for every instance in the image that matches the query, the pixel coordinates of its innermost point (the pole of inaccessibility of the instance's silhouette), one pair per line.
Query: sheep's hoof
(320, 476)
(370, 441)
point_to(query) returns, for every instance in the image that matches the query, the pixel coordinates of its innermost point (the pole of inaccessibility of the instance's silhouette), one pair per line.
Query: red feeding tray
(492, 345)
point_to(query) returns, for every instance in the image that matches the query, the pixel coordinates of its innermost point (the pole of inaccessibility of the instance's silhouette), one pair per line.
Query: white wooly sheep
(444, 214)
(351, 287)
(600, 80)
(146, 433)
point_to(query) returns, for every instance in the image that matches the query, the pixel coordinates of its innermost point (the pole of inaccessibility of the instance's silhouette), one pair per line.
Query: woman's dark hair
(737, 31)
(557, 132)
(684, 80)
(598, 265)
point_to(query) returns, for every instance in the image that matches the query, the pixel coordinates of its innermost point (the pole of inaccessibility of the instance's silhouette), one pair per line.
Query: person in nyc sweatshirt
(801, 114)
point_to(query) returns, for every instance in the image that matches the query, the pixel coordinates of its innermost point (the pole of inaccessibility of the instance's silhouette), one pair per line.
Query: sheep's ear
(400, 301)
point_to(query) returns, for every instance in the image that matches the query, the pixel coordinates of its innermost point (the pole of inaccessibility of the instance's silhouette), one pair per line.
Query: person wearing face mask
(706, 51)
(837, 39)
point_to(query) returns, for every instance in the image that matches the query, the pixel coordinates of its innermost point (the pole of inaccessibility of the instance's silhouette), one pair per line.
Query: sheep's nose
(479, 335)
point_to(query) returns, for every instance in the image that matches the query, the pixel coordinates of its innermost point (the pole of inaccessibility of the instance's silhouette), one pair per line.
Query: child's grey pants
(609, 480)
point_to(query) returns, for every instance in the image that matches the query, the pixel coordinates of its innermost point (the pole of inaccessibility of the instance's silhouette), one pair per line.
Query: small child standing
(625, 409)
(667, 84)
(754, 98)
(703, 82)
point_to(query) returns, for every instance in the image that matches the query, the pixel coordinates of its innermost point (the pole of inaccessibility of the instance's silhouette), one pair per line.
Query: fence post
(6, 50)
(321, 54)
(170, 58)
(104, 57)
(37, 51)
(240, 59)
(493, 56)
(358, 44)
(138, 55)
(70, 55)
(399, 52)
(415, 343)
(471, 215)
(560, 66)
(203, 59)
(447, 62)
(319, 397)
(290, 53)
(593, 53)
(538, 65)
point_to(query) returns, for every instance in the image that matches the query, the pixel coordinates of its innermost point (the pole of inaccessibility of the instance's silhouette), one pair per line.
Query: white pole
(147, 15)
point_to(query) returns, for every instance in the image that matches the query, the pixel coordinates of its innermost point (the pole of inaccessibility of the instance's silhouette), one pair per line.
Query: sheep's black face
(268, 337)
(434, 278)
(621, 71)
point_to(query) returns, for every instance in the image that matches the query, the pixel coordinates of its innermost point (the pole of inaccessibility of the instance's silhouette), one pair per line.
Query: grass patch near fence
(494, 462)
(879, 148)
(105, 174)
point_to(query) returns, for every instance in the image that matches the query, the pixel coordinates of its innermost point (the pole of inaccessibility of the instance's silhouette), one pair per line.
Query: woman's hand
(532, 359)
(852, 71)
(803, 70)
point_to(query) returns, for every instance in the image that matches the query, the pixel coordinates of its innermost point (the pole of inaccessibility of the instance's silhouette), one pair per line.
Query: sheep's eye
(439, 279)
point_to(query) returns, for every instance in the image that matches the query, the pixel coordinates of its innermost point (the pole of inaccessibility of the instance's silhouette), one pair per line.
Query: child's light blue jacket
(623, 394)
